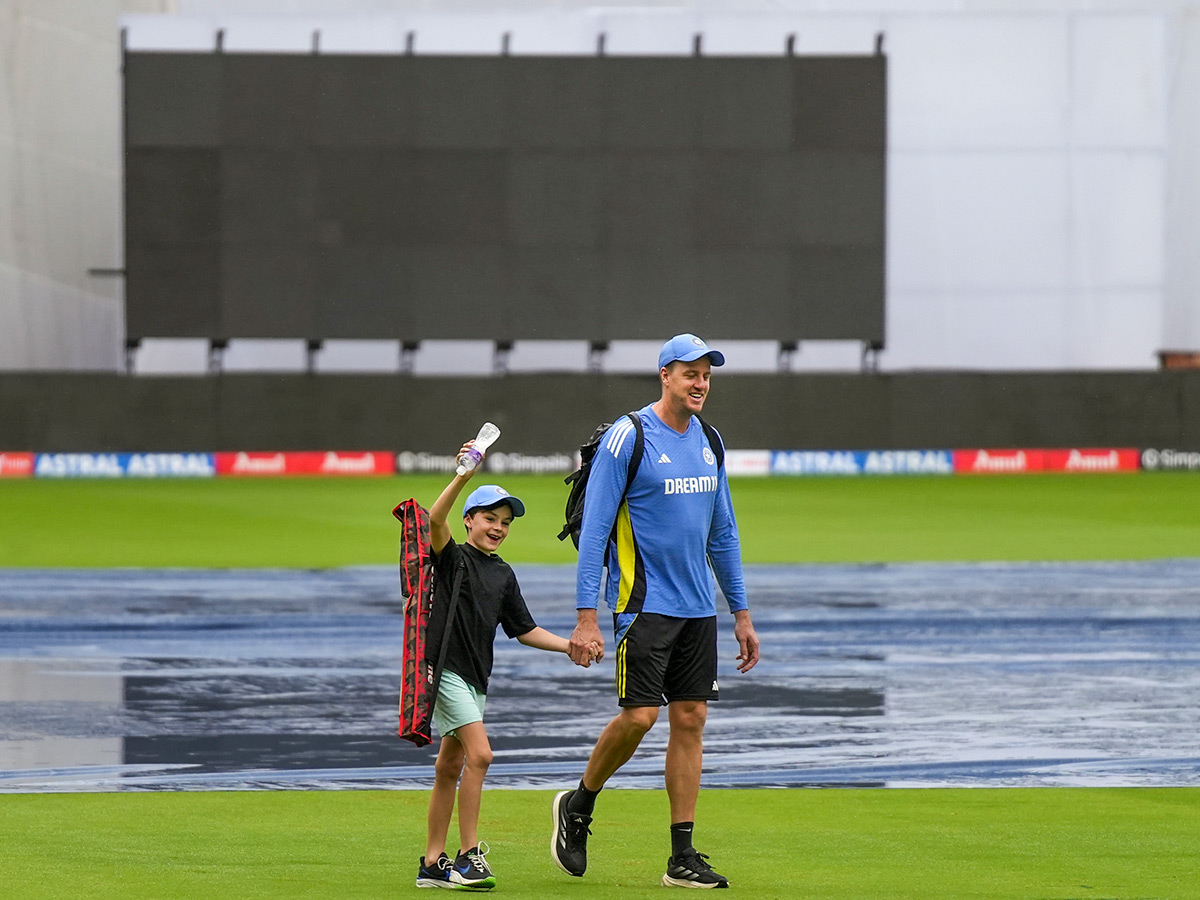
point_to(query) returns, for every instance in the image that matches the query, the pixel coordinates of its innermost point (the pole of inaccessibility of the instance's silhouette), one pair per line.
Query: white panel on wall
(1005, 330)
(359, 356)
(362, 34)
(550, 34)
(977, 221)
(1118, 90)
(273, 34)
(741, 356)
(484, 33)
(171, 356)
(1118, 223)
(1113, 329)
(840, 34)
(48, 325)
(647, 31)
(917, 329)
(741, 35)
(766, 34)
(977, 81)
(454, 358)
(265, 355)
(828, 356)
(172, 33)
(634, 357)
(548, 356)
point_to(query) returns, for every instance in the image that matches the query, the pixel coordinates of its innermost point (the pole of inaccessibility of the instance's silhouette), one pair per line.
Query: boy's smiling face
(487, 528)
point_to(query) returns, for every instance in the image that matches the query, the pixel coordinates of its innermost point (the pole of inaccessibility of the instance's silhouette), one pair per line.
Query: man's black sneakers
(690, 870)
(568, 844)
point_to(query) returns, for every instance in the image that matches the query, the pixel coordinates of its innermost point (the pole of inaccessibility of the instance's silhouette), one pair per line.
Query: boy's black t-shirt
(489, 596)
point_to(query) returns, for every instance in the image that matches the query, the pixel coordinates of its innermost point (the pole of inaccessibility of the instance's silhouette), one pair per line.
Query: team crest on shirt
(708, 456)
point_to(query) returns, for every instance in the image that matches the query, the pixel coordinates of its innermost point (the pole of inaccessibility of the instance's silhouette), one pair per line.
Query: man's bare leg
(617, 744)
(685, 757)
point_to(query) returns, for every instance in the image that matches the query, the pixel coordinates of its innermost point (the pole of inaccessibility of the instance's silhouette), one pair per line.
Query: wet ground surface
(898, 675)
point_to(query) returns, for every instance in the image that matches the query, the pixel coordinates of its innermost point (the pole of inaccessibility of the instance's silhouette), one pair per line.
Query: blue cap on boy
(488, 495)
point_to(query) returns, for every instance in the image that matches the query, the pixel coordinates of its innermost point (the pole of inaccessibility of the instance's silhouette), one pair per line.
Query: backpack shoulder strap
(714, 441)
(639, 448)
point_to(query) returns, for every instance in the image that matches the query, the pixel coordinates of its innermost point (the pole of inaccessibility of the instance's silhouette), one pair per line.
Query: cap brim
(716, 357)
(518, 507)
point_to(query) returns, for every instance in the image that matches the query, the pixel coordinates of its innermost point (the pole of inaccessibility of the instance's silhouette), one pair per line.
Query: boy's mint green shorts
(457, 704)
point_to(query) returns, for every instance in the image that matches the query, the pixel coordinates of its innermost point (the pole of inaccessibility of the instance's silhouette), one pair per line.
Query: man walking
(658, 540)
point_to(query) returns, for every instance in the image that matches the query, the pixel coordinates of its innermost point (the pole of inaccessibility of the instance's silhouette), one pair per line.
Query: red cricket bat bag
(418, 677)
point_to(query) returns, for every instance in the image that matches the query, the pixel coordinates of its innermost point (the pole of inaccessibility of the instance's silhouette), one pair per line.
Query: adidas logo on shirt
(664, 458)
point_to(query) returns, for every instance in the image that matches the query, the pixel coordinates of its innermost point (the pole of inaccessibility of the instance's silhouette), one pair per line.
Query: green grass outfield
(1055, 844)
(832, 845)
(327, 522)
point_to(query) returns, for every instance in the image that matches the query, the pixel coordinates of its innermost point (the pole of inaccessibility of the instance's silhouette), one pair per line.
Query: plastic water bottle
(486, 437)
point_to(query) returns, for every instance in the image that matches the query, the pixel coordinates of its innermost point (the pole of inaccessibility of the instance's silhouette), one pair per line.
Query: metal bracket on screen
(870, 356)
(500, 359)
(132, 345)
(597, 351)
(408, 356)
(787, 353)
(216, 355)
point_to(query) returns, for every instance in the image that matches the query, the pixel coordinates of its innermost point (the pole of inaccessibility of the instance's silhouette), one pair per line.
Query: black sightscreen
(502, 198)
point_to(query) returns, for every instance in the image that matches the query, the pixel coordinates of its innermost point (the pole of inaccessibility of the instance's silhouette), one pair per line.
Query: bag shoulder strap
(455, 585)
(714, 441)
(639, 448)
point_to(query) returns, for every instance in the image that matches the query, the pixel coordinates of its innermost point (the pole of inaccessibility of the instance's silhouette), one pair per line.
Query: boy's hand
(461, 453)
(592, 653)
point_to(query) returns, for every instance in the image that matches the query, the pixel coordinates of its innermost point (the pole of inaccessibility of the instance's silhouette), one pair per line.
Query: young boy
(489, 596)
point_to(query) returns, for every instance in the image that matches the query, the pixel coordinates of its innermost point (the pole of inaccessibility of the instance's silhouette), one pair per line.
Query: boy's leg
(477, 757)
(446, 772)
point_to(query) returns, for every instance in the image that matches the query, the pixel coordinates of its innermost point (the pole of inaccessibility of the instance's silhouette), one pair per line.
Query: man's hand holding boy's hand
(586, 655)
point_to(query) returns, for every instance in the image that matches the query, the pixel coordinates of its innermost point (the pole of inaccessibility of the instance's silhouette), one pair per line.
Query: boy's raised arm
(439, 513)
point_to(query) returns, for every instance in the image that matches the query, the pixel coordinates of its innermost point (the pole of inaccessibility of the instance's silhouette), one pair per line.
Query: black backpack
(587, 452)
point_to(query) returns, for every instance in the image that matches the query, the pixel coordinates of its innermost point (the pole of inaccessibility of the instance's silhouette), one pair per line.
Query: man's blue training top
(676, 519)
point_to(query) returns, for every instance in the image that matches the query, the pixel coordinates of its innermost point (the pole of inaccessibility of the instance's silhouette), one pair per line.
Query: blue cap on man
(488, 495)
(685, 348)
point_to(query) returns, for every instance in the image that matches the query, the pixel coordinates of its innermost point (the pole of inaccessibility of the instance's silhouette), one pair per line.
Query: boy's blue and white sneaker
(437, 875)
(690, 870)
(471, 871)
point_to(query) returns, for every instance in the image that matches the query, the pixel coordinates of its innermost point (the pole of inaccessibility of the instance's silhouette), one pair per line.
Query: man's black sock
(583, 801)
(681, 837)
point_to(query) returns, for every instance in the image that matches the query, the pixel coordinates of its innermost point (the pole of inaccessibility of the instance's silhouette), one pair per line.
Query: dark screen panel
(831, 95)
(268, 100)
(555, 103)
(501, 198)
(649, 200)
(173, 100)
(267, 290)
(835, 289)
(176, 290)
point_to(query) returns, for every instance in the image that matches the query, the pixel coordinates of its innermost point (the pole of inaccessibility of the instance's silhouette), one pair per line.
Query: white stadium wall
(1043, 202)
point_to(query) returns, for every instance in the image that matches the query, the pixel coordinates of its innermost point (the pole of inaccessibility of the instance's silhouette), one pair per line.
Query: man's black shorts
(665, 658)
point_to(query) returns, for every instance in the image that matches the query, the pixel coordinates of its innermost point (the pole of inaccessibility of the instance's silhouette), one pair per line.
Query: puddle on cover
(898, 675)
